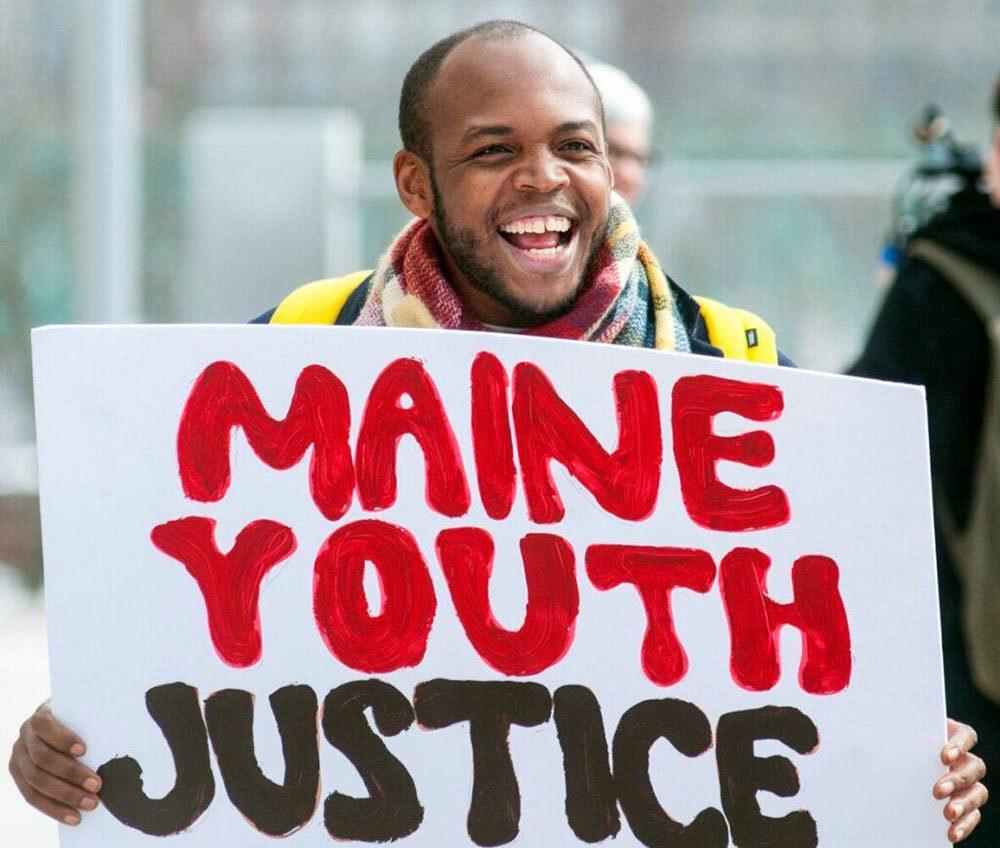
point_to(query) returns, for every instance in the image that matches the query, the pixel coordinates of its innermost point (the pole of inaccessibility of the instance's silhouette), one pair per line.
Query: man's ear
(606, 156)
(413, 183)
(991, 168)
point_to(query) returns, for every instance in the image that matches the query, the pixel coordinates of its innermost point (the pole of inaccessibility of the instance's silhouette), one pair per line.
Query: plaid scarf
(626, 301)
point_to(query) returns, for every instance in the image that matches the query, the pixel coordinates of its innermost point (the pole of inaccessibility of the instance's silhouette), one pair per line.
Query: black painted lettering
(591, 804)
(392, 809)
(276, 809)
(742, 775)
(176, 710)
(490, 708)
(687, 729)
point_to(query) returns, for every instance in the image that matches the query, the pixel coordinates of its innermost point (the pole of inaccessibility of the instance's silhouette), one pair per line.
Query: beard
(466, 250)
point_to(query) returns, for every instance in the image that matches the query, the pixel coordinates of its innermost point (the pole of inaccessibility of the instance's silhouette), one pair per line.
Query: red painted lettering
(229, 583)
(319, 415)
(397, 636)
(386, 420)
(655, 572)
(491, 439)
(624, 482)
(755, 622)
(466, 556)
(709, 501)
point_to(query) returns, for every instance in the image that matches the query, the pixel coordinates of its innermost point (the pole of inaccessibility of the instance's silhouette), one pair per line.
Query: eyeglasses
(641, 158)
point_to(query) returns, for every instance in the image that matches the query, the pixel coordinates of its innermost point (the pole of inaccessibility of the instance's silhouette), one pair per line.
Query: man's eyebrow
(574, 126)
(503, 130)
(479, 132)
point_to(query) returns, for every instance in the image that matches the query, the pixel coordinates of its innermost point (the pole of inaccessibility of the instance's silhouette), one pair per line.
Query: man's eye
(492, 150)
(577, 146)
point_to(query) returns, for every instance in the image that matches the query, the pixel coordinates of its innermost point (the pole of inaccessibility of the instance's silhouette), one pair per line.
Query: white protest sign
(453, 589)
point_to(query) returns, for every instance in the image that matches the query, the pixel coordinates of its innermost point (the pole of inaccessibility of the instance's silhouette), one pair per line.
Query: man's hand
(961, 784)
(44, 766)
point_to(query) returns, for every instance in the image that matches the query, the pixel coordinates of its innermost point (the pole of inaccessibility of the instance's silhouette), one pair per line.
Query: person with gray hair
(628, 114)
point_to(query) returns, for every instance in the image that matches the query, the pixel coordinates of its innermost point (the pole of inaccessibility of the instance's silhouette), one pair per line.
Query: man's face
(521, 184)
(628, 152)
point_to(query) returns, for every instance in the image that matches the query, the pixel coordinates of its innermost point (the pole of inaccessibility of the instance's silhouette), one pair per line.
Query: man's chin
(536, 296)
(533, 310)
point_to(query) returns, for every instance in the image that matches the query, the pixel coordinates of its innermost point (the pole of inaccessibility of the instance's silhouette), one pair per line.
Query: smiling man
(517, 228)
(511, 176)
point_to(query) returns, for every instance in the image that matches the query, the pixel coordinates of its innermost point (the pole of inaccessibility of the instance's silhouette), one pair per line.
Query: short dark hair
(414, 127)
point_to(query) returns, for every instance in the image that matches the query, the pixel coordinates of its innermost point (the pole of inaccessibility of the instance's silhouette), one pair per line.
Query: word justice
(598, 782)
(404, 401)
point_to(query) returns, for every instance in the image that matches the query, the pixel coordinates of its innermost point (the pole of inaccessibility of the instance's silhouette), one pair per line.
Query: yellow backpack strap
(318, 302)
(737, 333)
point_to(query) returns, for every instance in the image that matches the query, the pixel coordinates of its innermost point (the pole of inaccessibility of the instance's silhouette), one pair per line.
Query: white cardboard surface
(123, 617)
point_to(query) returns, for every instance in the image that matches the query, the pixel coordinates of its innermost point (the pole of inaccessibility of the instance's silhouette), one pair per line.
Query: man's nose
(541, 171)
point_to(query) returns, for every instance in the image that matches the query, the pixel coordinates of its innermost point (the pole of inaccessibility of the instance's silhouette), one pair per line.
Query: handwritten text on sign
(516, 427)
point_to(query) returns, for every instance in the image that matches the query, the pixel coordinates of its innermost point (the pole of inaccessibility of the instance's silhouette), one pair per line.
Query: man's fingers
(961, 738)
(55, 733)
(60, 765)
(46, 772)
(53, 809)
(963, 773)
(54, 789)
(962, 802)
(964, 826)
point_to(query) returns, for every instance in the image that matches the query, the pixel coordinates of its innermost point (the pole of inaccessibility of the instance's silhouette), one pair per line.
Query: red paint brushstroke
(229, 582)
(697, 450)
(466, 556)
(319, 415)
(655, 572)
(755, 622)
(491, 438)
(397, 636)
(386, 421)
(624, 482)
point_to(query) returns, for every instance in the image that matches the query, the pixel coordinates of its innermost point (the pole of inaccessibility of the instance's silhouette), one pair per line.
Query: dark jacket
(926, 333)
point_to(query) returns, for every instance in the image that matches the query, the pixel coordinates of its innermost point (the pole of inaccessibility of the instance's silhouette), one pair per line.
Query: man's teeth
(545, 252)
(542, 224)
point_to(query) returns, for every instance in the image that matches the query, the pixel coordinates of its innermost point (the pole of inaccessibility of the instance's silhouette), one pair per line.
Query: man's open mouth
(539, 236)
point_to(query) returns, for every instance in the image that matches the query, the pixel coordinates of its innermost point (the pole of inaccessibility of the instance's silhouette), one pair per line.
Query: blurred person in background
(517, 229)
(945, 167)
(939, 327)
(628, 117)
